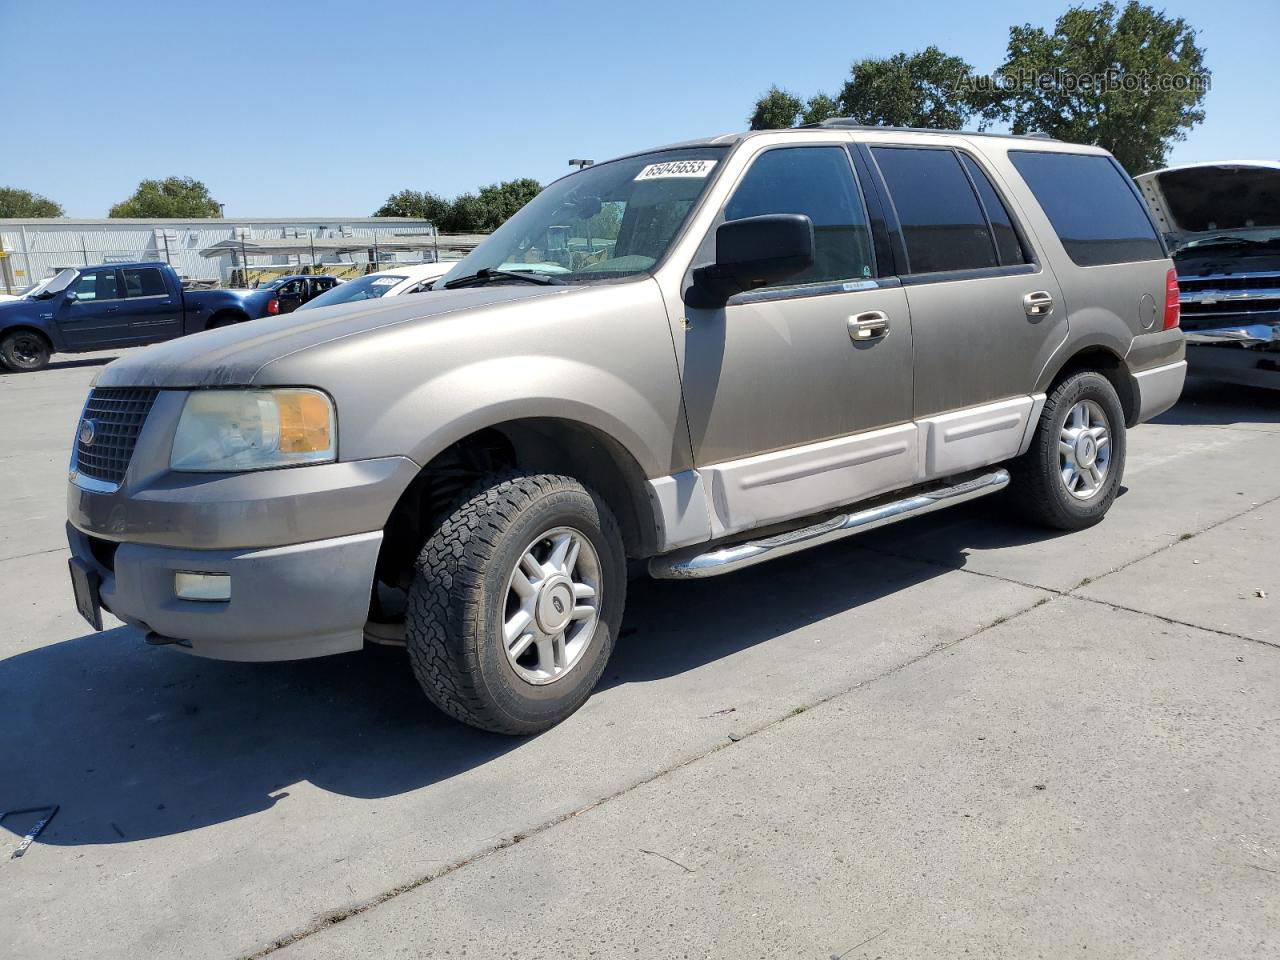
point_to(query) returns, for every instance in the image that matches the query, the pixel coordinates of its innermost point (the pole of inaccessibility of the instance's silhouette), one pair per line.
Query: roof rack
(847, 123)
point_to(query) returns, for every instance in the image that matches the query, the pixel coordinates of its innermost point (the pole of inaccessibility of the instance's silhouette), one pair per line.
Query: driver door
(799, 396)
(98, 317)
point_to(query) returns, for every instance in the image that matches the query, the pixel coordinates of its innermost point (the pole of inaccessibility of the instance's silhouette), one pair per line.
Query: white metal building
(212, 249)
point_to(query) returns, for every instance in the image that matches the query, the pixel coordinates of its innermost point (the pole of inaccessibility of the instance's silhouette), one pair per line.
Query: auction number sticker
(386, 281)
(696, 169)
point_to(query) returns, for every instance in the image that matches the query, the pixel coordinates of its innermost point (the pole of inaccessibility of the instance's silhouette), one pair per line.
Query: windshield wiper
(485, 274)
(1225, 240)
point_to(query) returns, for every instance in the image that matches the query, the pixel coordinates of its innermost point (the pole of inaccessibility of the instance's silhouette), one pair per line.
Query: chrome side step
(691, 564)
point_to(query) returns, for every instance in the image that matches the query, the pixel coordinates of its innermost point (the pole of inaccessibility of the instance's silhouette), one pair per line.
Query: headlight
(223, 431)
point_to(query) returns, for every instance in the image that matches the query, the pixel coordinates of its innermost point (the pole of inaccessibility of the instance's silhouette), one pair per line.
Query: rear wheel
(24, 351)
(1071, 474)
(516, 601)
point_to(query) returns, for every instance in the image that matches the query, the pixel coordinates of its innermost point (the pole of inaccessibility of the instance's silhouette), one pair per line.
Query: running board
(690, 564)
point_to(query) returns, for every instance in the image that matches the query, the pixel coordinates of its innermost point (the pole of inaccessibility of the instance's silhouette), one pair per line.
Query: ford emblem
(88, 431)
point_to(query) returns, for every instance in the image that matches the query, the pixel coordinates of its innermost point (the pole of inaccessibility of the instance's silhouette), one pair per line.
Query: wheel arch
(538, 444)
(228, 314)
(1102, 359)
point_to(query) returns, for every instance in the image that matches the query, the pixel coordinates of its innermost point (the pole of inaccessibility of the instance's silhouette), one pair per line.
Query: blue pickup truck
(128, 305)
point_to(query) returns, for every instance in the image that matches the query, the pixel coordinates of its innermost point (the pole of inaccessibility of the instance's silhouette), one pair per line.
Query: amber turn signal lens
(305, 424)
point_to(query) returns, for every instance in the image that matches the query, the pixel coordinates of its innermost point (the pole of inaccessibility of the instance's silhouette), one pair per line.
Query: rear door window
(1092, 206)
(1008, 246)
(144, 282)
(943, 225)
(817, 182)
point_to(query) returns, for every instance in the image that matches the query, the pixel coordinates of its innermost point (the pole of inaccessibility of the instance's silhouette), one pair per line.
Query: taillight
(273, 305)
(1172, 309)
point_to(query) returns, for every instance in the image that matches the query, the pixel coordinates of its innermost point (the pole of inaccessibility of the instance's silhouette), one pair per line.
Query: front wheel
(1070, 475)
(24, 351)
(516, 601)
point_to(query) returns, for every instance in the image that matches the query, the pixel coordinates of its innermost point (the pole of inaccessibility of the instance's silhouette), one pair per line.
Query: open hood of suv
(1201, 200)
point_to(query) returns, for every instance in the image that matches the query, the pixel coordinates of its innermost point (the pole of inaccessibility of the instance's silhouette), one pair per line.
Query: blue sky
(293, 109)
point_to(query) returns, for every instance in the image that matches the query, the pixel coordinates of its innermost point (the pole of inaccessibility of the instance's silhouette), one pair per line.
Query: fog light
(202, 586)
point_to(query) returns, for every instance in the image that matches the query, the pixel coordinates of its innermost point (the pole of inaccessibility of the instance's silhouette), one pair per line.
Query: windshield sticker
(677, 168)
(386, 281)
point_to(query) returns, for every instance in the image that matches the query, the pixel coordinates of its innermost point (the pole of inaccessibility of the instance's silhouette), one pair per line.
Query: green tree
(820, 107)
(24, 203)
(481, 212)
(422, 205)
(923, 89)
(171, 197)
(1131, 80)
(777, 109)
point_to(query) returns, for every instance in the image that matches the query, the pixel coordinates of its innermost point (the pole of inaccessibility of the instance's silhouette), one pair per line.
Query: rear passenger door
(154, 313)
(986, 313)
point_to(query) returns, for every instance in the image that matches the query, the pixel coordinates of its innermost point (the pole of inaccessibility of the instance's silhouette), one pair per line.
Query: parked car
(286, 294)
(118, 305)
(411, 278)
(695, 358)
(1223, 222)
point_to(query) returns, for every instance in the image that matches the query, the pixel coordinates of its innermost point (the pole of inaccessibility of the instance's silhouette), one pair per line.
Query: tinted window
(96, 285)
(1007, 245)
(942, 224)
(817, 182)
(1091, 205)
(144, 283)
(291, 289)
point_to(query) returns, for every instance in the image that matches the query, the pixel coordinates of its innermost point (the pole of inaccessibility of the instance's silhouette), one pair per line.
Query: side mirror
(750, 253)
(72, 296)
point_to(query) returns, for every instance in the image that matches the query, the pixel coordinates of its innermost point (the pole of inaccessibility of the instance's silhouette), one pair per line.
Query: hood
(232, 356)
(1201, 200)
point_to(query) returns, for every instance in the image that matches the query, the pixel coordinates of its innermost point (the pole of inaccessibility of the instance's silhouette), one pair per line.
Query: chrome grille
(118, 414)
(1229, 298)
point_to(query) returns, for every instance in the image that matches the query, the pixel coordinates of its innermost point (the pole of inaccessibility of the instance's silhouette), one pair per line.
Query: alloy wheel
(1084, 450)
(552, 606)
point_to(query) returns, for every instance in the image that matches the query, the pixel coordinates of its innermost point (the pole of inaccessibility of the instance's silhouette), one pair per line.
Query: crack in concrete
(1071, 592)
(335, 917)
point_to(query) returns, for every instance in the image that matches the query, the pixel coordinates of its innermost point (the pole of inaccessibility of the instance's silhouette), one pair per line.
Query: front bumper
(287, 603)
(1251, 366)
(300, 545)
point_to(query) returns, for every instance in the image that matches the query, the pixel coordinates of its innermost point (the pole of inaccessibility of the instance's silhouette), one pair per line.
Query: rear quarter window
(1092, 206)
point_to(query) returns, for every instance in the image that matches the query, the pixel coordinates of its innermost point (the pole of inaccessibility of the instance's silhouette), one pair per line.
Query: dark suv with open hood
(1222, 221)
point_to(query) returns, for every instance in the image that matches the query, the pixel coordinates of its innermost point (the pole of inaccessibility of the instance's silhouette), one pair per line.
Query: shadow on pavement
(137, 742)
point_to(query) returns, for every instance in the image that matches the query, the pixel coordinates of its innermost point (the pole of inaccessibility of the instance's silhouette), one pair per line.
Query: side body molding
(721, 499)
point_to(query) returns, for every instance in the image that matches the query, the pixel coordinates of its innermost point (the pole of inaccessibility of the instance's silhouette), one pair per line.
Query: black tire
(458, 602)
(1037, 482)
(24, 351)
(226, 320)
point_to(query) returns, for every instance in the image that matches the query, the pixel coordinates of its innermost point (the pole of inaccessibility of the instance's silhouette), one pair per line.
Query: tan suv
(700, 357)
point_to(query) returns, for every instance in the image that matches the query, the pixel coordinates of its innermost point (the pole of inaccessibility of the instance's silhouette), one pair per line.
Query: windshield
(270, 284)
(608, 221)
(364, 288)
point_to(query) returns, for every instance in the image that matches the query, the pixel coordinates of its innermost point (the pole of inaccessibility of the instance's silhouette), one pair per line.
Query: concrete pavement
(824, 746)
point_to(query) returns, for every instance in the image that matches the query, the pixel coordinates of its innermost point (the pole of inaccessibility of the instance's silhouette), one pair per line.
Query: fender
(1100, 334)
(40, 315)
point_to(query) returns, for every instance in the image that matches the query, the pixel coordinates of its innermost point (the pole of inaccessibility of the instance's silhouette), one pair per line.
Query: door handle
(1038, 303)
(872, 325)
(112, 309)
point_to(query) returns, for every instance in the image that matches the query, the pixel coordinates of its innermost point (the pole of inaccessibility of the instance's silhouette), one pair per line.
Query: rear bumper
(289, 602)
(1158, 389)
